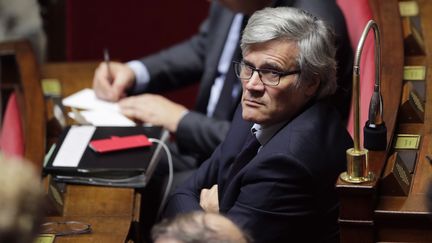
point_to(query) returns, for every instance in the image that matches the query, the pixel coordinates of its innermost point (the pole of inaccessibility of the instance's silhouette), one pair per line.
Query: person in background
(274, 175)
(207, 57)
(198, 227)
(21, 197)
(21, 19)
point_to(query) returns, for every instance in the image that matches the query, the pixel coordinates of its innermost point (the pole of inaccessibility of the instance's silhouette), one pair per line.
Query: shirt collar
(264, 134)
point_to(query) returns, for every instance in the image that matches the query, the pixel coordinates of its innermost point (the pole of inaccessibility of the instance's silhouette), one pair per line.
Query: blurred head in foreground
(21, 196)
(198, 227)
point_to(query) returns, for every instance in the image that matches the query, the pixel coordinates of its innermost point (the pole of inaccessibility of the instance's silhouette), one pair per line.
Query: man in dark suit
(275, 172)
(207, 57)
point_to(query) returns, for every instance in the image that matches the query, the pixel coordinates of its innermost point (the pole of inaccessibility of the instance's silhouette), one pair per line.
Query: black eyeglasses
(65, 228)
(267, 76)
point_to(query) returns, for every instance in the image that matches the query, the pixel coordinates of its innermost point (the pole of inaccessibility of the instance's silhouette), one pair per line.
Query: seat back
(23, 127)
(357, 13)
(12, 137)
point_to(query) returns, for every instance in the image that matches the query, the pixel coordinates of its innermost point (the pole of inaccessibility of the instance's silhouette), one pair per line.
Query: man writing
(274, 174)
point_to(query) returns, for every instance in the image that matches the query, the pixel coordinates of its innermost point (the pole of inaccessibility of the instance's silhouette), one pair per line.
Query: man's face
(245, 6)
(267, 105)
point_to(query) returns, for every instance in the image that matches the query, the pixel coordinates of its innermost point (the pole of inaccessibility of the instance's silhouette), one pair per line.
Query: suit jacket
(199, 58)
(286, 193)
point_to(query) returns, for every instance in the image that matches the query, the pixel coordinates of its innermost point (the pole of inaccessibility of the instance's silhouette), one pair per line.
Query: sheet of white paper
(73, 146)
(87, 100)
(104, 118)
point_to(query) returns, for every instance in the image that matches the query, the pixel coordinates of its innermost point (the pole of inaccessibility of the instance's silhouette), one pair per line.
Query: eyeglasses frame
(86, 229)
(259, 70)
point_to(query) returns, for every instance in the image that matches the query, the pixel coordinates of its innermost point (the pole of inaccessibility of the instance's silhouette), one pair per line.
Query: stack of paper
(95, 111)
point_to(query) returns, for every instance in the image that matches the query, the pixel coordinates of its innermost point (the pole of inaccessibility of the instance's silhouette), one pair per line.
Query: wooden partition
(20, 73)
(372, 212)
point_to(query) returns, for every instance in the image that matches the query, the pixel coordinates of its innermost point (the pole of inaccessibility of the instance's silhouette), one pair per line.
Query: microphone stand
(357, 158)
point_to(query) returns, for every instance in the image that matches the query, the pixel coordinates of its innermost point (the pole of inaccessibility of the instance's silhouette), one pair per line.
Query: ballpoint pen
(107, 61)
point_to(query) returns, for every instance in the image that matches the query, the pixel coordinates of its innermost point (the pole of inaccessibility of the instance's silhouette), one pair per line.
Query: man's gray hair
(197, 227)
(314, 38)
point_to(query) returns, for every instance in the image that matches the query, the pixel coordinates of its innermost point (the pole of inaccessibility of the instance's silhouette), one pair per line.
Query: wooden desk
(73, 76)
(110, 211)
(368, 213)
(408, 218)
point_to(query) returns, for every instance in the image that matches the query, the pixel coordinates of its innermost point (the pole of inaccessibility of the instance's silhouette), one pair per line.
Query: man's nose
(255, 81)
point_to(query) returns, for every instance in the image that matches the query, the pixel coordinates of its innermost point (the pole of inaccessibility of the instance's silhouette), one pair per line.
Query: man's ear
(312, 88)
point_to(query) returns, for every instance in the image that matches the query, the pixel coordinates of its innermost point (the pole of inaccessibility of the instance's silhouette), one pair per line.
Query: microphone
(375, 132)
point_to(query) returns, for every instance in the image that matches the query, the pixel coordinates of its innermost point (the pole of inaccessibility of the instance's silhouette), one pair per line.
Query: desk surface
(73, 76)
(110, 211)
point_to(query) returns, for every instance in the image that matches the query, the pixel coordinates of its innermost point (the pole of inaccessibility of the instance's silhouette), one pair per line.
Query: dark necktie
(249, 151)
(226, 104)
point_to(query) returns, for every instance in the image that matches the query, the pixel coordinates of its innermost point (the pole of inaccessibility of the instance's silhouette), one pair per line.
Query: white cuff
(142, 76)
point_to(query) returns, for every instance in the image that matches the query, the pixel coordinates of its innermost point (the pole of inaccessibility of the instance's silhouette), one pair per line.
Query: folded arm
(187, 197)
(277, 193)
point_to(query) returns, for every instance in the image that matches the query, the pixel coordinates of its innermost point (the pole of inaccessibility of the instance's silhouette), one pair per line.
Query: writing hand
(154, 109)
(112, 83)
(209, 199)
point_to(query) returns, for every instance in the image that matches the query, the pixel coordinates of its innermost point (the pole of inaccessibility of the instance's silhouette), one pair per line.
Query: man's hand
(154, 109)
(111, 83)
(209, 199)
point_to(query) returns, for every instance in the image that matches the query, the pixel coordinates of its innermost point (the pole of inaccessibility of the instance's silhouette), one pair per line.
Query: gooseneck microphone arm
(375, 108)
(375, 133)
(376, 97)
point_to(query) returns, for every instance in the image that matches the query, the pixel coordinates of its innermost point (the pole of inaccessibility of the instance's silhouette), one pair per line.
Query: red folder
(119, 143)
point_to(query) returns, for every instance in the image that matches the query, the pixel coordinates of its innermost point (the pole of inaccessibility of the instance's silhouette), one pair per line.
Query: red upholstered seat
(12, 136)
(357, 13)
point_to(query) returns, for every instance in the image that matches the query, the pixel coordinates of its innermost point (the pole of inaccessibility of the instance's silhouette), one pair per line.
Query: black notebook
(123, 167)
